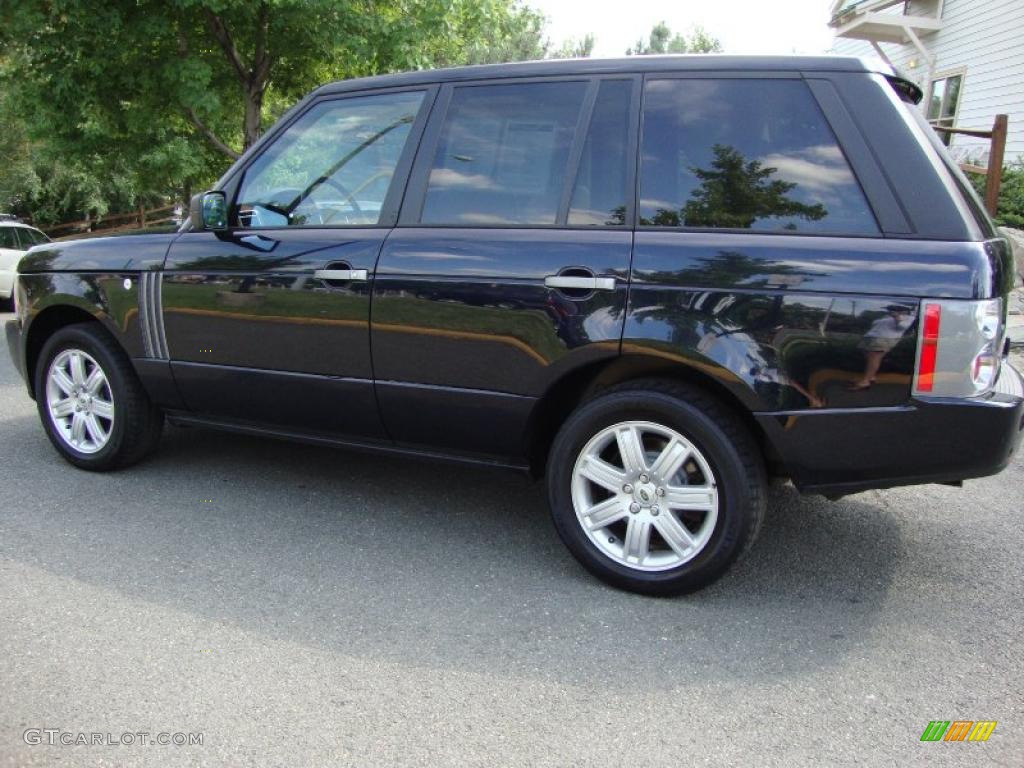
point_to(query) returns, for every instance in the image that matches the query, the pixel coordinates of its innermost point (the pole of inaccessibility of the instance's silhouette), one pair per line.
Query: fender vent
(151, 314)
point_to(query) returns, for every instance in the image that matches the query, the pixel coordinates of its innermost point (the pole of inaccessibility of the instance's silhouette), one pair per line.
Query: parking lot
(305, 606)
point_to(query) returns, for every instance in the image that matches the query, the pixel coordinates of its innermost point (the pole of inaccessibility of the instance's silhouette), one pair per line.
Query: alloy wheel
(79, 401)
(645, 496)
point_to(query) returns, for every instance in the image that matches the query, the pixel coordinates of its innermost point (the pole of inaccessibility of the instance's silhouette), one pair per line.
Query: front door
(267, 323)
(508, 268)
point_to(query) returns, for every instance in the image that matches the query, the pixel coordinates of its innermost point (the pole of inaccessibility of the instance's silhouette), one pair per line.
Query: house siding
(985, 40)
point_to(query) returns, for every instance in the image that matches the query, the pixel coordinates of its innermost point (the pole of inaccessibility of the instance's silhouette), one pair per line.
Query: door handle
(340, 275)
(580, 282)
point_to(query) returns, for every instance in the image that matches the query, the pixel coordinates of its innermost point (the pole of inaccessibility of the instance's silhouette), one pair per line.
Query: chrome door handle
(580, 283)
(341, 275)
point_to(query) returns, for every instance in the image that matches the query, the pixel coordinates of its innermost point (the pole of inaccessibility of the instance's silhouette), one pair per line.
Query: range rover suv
(656, 282)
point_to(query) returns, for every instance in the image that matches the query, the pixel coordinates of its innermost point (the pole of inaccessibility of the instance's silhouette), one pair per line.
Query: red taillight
(929, 347)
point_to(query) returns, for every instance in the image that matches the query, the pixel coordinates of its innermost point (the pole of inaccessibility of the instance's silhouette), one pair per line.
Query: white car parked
(15, 239)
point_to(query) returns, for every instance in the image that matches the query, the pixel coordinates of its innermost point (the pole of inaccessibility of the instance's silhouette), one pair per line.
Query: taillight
(958, 352)
(985, 368)
(929, 347)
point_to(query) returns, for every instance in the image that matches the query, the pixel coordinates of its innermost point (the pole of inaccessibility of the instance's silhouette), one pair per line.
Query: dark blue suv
(656, 281)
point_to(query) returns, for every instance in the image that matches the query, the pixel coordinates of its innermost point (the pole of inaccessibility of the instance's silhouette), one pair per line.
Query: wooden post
(995, 164)
(142, 216)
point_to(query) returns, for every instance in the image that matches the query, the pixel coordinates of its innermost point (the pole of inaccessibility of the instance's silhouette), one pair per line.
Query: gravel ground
(302, 606)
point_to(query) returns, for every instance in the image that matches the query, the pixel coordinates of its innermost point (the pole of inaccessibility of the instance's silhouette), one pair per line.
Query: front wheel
(655, 487)
(91, 403)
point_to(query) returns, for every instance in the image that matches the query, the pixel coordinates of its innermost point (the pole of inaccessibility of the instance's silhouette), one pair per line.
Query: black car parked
(657, 281)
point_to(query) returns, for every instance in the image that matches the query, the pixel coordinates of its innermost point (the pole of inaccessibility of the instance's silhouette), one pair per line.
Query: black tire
(137, 423)
(730, 451)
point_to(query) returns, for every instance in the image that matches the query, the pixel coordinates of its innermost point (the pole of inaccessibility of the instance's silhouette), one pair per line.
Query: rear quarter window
(30, 237)
(745, 154)
(503, 154)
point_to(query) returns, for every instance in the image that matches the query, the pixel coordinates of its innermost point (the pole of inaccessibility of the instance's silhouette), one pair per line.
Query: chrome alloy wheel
(645, 496)
(79, 401)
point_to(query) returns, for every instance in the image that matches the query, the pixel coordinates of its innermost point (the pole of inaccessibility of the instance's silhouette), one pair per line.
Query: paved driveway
(303, 606)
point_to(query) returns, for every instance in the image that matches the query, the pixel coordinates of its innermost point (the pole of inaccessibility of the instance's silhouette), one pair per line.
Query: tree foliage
(1010, 209)
(574, 48)
(662, 40)
(106, 105)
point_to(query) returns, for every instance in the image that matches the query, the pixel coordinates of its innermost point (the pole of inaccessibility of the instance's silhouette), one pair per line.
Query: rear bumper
(933, 440)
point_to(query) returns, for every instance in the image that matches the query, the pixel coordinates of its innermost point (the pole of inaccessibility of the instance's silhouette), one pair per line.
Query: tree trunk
(253, 113)
(253, 76)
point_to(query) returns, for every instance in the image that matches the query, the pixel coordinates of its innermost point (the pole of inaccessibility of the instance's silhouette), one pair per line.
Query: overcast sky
(743, 26)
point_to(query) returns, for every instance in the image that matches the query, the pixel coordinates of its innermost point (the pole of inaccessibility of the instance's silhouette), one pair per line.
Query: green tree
(516, 36)
(574, 49)
(662, 40)
(158, 96)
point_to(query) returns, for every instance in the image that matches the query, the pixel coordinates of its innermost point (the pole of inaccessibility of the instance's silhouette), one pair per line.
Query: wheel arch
(584, 383)
(59, 312)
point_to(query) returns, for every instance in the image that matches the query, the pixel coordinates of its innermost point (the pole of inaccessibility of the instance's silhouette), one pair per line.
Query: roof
(702, 62)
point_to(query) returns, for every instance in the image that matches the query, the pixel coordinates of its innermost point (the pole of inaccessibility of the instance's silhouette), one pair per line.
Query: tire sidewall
(734, 511)
(74, 337)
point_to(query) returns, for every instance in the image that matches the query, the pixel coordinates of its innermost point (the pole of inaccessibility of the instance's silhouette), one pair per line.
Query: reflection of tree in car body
(734, 193)
(726, 326)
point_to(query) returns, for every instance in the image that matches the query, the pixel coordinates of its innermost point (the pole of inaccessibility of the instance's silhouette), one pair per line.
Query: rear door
(760, 252)
(267, 323)
(510, 262)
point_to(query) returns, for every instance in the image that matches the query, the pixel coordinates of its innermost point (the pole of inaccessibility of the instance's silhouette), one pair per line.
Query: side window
(503, 154)
(30, 237)
(8, 239)
(599, 198)
(745, 154)
(332, 166)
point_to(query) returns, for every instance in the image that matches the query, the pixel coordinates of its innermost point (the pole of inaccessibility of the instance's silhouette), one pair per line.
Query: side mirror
(209, 211)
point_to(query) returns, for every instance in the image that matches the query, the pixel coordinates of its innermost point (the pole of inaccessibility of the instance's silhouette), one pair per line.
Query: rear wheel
(91, 403)
(656, 487)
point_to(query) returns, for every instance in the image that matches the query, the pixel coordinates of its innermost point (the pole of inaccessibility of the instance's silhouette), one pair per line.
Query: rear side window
(740, 153)
(503, 154)
(30, 237)
(599, 196)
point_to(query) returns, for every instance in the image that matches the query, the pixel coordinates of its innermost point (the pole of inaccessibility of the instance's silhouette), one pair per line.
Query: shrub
(1010, 212)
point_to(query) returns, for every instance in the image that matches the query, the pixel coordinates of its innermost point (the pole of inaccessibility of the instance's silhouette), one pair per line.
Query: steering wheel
(347, 197)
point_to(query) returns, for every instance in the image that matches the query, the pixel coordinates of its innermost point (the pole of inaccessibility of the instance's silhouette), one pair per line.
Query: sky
(743, 26)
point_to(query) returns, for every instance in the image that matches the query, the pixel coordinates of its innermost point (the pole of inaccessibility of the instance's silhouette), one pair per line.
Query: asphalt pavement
(301, 606)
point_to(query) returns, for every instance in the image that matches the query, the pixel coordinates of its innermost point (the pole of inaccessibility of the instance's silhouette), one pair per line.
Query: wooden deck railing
(119, 222)
(993, 173)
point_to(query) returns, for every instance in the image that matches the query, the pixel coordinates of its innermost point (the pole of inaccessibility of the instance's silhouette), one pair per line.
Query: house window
(944, 103)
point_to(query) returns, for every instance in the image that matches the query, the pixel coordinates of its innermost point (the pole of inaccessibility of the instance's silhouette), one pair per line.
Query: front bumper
(12, 330)
(931, 440)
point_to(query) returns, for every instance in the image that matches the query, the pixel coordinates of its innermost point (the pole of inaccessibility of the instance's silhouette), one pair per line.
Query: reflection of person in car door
(884, 334)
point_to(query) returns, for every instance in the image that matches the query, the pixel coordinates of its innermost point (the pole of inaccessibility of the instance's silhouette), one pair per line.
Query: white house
(967, 56)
